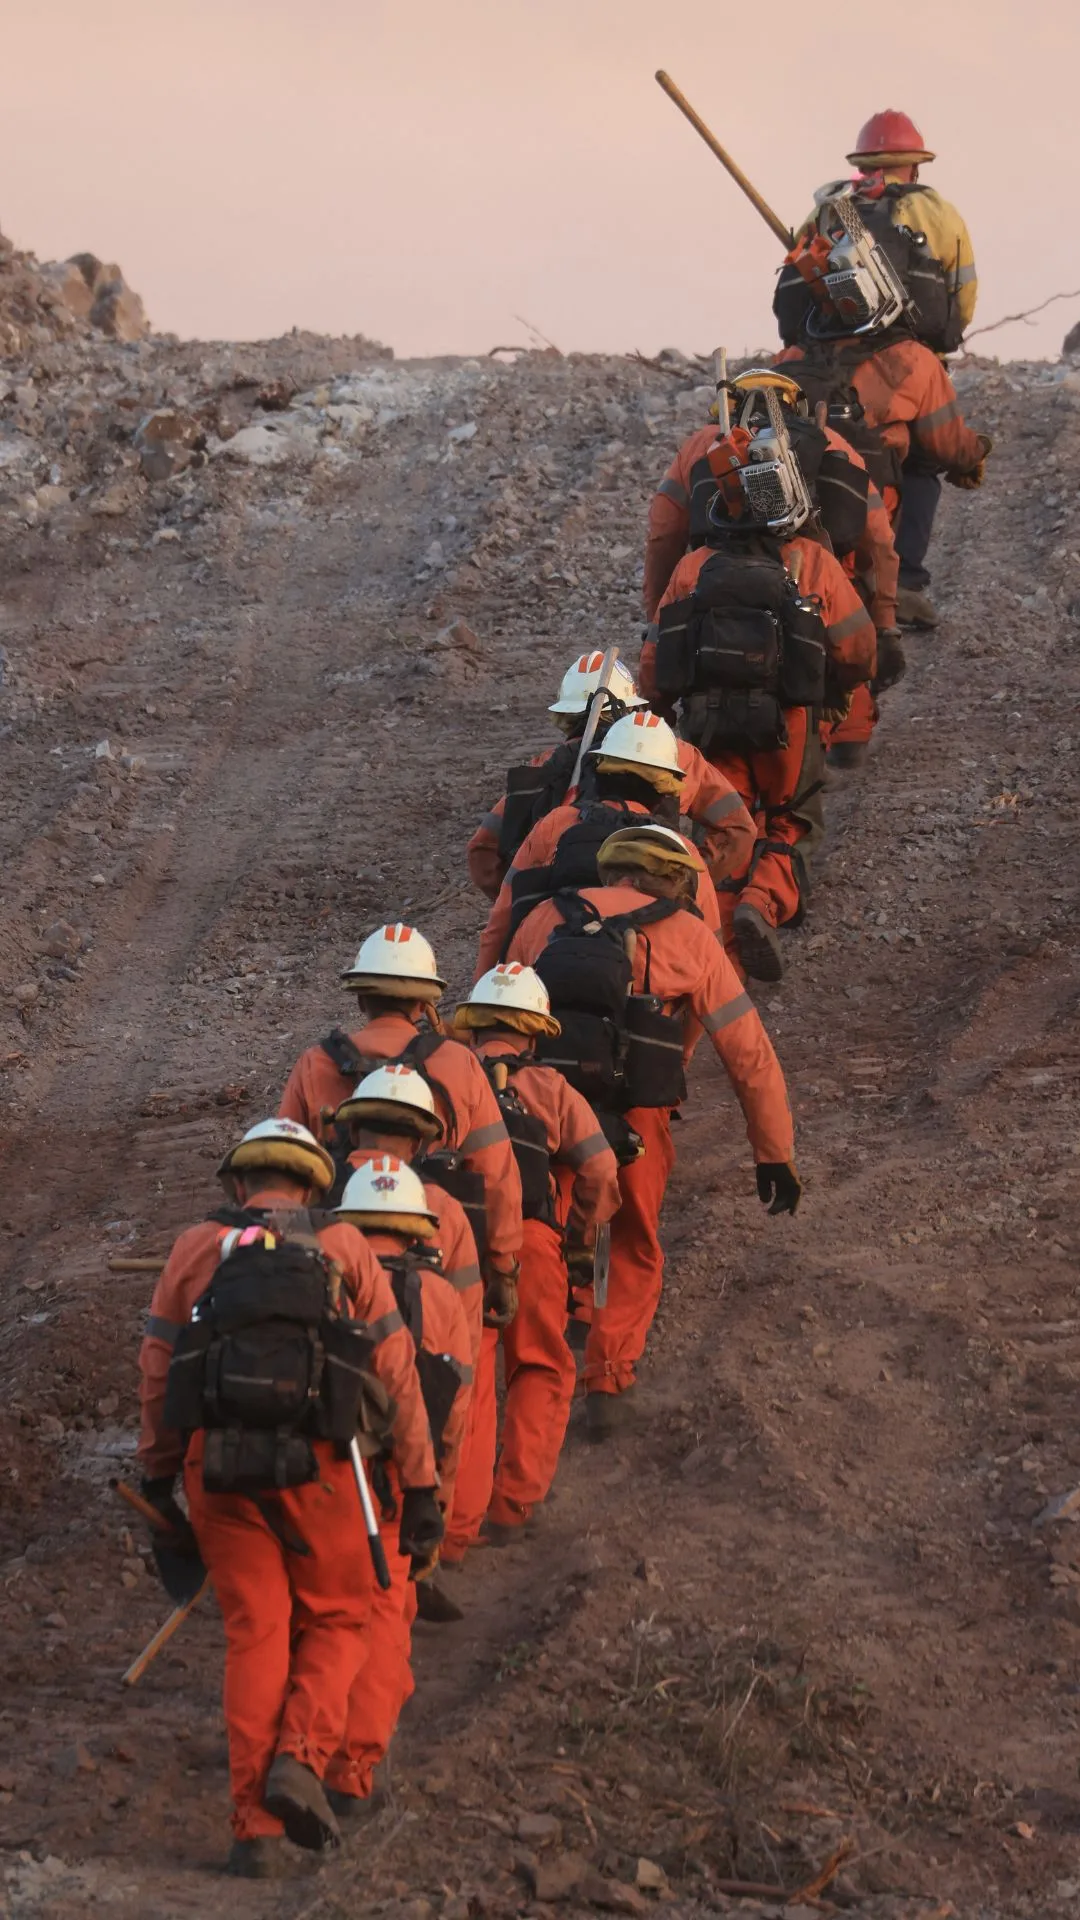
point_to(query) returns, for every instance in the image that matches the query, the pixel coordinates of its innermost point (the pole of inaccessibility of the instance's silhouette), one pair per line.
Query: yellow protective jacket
(924, 211)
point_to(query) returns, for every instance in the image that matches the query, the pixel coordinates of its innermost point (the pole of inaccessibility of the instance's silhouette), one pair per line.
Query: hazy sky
(423, 170)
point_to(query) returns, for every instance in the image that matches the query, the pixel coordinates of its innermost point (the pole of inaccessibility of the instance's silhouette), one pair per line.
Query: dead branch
(661, 366)
(815, 1887)
(1012, 318)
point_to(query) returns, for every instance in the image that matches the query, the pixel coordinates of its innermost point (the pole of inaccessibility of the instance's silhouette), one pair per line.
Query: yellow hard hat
(653, 848)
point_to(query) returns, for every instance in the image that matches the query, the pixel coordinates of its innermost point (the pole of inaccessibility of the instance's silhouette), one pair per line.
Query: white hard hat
(393, 958)
(284, 1144)
(511, 985)
(395, 1094)
(382, 1191)
(642, 740)
(581, 680)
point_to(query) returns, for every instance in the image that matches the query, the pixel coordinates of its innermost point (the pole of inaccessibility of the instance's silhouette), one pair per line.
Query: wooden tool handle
(141, 1505)
(164, 1633)
(123, 1263)
(771, 219)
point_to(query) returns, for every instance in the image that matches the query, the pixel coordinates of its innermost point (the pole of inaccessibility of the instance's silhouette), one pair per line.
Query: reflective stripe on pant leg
(476, 1467)
(619, 1329)
(789, 784)
(384, 1681)
(247, 1567)
(540, 1379)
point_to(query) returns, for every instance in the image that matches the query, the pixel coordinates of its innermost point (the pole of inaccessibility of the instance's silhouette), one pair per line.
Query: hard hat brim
(421, 1226)
(311, 1164)
(911, 157)
(394, 986)
(427, 1125)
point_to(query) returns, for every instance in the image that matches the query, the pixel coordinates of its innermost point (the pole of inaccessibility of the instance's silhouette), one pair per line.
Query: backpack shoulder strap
(405, 1281)
(341, 1049)
(417, 1054)
(572, 909)
(647, 916)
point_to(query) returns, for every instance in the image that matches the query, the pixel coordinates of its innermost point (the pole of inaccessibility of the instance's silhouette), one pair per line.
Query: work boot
(494, 1534)
(264, 1858)
(294, 1795)
(607, 1414)
(353, 1810)
(757, 943)
(915, 609)
(848, 754)
(435, 1605)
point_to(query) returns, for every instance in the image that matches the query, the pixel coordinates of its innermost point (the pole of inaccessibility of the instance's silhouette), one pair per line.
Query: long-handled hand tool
(771, 219)
(164, 1633)
(183, 1575)
(371, 1524)
(596, 708)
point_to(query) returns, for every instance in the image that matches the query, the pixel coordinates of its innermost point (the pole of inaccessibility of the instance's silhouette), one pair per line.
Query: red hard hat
(889, 139)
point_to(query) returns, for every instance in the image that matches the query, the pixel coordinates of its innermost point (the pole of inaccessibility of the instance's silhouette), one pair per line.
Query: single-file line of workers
(432, 1193)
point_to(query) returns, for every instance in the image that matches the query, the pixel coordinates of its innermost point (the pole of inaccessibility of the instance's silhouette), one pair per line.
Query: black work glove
(579, 1253)
(180, 1537)
(891, 660)
(778, 1181)
(422, 1525)
(500, 1295)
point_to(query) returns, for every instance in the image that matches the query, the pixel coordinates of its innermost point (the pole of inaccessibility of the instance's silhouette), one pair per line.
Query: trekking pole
(596, 708)
(371, 1524)
(771, 219)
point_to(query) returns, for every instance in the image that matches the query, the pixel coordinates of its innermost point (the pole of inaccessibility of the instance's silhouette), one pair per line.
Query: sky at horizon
(438, 175)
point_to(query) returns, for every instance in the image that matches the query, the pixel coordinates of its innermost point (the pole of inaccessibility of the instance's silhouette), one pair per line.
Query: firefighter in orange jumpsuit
(687, 971)
(396, 982)
(637, 770)
(782, 782)
(570, 1185)
(393, 1111)
(386, 1201)
(292, 1569)
(871, 560)
(706, 797)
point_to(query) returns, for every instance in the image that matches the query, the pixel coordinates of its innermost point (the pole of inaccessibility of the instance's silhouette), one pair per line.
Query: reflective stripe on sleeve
(839, 484)
(585, 1150)
(488, 1136)
(157, 1328)
(965, 275)
(940, 416)
(461, 1368)
(381, 1329)
(726, 1016)
(461, 1278)
(874, 500)
(850, 623)
(719, 809)
(674, 490)
(491, 822)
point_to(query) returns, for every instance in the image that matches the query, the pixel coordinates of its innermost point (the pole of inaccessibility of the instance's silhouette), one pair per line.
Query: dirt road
(807, 1602)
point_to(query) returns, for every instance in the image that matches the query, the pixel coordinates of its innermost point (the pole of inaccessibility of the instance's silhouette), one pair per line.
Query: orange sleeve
(486, 1147)
(850, 636)
(583, 1147)
(186, 1274)
(734, 1026)
(486, 866)
(711, 801)
(939, 426)
(461, 1264)
(394, 1361)
(665, 542)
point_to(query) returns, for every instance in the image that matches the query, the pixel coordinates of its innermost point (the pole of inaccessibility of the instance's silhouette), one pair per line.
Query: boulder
(167, 441)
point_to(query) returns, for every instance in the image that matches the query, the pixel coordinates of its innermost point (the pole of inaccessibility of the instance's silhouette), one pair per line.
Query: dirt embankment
(807, 1603)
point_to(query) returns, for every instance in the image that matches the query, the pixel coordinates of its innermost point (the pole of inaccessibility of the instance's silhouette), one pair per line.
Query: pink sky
(423, 172)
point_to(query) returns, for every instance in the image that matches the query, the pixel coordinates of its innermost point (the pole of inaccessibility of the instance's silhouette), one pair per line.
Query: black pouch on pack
(804, 657)
(183, 1409)
(346, 1377)
(654, 1073)
(738, 647)
(439, 1384)
(532, 792)
(793, 303)
(246, 1462)
(843, 491)
(588, 1053)
(727, 720)
(445, 1168)
(674, 663)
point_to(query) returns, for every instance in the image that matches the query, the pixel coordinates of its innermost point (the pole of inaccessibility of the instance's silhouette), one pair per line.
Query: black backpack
(617, 1048)
(528, 1137)
(439, 1375)
(740, 648)
(532, 793)
(268, 1361)
(443, 1166)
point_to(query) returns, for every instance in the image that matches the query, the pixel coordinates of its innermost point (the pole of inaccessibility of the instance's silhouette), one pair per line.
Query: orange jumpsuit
(538, 850)
(873, 560)
(690, 973)
(540, 1371)
(705, 797)
(785, 785)
(294, 1623)
(315, 1090)
(906, 392)
(385, 1681)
